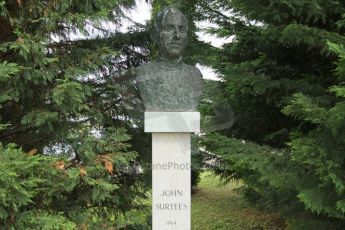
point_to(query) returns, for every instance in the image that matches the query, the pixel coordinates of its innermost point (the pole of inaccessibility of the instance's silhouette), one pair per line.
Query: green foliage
(70, 97)
(323, 158)
(28, 180)
(283, 75)
(304, 107)
(44, 220)
(71, 113)
(7, 69)
(50, 192)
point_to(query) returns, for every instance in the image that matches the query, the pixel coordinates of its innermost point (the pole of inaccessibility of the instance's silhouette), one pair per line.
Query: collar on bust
(169, 65)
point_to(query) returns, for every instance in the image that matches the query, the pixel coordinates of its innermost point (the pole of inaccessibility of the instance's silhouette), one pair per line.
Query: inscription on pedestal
(171, 206)
(171, 175)
(169, 193)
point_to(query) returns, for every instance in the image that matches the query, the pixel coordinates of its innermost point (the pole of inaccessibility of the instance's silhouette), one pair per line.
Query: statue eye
(168, 28)
(182, 29)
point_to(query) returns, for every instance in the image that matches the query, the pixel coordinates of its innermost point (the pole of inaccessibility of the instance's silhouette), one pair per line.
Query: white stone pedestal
(171, 167)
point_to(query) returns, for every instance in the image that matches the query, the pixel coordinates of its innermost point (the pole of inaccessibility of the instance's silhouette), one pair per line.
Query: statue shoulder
(144, 68)
(193, 70)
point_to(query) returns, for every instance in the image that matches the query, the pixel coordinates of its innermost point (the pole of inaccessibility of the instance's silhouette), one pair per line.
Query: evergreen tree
(281, 79)
(66, 158)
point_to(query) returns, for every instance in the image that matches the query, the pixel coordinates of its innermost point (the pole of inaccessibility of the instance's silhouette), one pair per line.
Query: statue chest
(168, 90)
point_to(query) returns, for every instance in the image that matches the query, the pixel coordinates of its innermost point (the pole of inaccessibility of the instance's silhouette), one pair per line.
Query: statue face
(173, 35)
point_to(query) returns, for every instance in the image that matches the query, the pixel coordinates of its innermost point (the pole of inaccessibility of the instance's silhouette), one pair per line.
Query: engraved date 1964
(170, 222)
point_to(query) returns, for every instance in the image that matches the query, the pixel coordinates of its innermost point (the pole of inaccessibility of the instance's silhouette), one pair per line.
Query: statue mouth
(175, 44)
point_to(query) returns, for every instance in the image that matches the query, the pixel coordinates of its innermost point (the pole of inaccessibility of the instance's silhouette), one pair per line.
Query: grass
(222, 208)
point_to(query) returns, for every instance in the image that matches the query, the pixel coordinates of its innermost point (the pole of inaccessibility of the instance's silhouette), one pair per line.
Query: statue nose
(177, 33)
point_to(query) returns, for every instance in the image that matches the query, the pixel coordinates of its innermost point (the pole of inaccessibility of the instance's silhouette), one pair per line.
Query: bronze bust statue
(167, 84)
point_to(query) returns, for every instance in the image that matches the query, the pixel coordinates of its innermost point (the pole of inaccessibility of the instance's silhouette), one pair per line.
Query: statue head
(170, 32)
